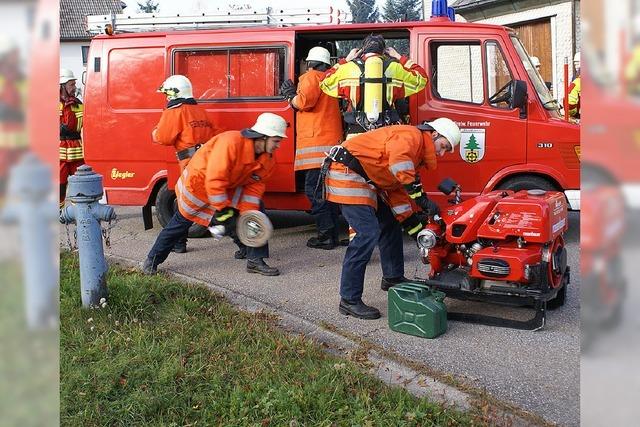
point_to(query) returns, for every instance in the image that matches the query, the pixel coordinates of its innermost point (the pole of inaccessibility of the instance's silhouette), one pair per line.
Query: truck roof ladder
(123, 23)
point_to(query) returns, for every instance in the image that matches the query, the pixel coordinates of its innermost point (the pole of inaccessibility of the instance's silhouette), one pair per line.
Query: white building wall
(561, 36)
(71, 58)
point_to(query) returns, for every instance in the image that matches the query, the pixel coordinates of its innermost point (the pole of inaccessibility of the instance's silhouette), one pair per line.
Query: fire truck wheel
(526, 182)
(166, 206)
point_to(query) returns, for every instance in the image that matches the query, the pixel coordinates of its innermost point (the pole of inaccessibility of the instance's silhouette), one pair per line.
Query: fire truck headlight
(427, 239)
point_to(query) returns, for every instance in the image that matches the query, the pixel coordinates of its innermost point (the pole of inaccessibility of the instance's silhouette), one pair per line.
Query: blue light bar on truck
(441, 9)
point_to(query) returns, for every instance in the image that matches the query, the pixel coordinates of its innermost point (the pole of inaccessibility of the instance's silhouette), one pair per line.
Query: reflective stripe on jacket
(71, 116)
(343, 80)
(318, 122)
(390, 156)
(184, 126)
(71, 150)
(223, 173)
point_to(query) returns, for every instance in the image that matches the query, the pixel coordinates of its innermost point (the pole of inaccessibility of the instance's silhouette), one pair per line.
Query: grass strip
(167, 353)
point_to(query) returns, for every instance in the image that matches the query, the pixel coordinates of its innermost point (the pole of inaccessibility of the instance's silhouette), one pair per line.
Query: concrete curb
(391, 372)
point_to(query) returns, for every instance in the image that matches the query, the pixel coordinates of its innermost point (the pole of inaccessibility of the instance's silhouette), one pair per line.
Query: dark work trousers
(324, 212)
(372, 228)
(183, 239)
(177, 228)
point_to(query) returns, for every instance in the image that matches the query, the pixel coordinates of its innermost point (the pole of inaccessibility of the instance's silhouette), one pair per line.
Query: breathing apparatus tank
(373, 96)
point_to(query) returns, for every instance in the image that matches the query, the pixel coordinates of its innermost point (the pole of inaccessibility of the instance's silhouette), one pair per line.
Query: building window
(232, 73)
(85, 55)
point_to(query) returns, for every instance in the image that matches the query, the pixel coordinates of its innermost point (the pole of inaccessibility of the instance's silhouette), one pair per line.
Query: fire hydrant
(29, 206)
(84, 190)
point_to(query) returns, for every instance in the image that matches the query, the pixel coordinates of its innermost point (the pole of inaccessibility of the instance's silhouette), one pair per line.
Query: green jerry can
(417, 310)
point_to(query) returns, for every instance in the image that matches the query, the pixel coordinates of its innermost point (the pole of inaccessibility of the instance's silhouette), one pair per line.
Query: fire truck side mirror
(518, 94)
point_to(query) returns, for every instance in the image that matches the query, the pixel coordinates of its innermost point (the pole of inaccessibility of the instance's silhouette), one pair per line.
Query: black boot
(240, 253)
(261, 267)
(358, 309)
(324, 240)
(149, 267)
(180, 248)
(388, 282)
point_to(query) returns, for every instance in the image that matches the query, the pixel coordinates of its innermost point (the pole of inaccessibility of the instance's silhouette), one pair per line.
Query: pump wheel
(558, 263)
(557, 269)
(166, 206)
(526, 182)
(559, 299)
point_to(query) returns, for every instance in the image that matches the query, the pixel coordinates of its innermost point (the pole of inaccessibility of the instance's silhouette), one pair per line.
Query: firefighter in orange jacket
(374, 177)
(372, 83)
(319, 127)
(184, 125)
(71, 111)
(224, 178)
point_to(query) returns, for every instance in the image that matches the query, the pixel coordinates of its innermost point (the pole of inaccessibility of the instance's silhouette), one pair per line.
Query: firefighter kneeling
(374, 177)
(224, 178)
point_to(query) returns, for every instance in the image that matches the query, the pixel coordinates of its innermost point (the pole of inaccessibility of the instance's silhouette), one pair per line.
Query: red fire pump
(500, 247)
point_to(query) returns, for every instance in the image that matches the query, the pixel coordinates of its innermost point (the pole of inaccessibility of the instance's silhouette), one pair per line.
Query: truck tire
(526, 182)
(166, 206)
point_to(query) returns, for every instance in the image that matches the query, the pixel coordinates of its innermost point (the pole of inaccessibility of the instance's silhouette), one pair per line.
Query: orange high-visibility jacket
(184, 126)
(223, 173)
(71, 113)
(319, 122)
(390, 156)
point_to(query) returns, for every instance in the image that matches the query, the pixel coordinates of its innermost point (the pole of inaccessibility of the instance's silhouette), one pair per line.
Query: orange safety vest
(71, 115)
(390, 156)
(319, 122)
(184, 126)
(223, 173)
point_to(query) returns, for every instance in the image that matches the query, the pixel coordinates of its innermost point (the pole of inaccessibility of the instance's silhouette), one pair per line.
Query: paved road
(536, 371)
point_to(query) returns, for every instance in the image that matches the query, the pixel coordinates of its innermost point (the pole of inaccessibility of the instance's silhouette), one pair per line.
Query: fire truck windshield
(545, 96)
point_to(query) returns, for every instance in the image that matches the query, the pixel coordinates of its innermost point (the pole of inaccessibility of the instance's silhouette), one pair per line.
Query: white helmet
(270, 124)
(319, 54)
(177, 86)
(535, 61)
(66, 75)
(576, 57)
(447, 128)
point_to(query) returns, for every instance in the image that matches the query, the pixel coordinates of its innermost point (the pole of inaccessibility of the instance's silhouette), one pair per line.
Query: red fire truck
(479, 75)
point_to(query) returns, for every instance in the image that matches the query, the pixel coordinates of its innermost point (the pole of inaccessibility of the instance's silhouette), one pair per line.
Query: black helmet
(373, 44)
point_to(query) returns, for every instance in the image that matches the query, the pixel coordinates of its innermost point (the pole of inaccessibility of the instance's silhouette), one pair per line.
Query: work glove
(430, 207)
(288, 89)
(417, 195)
(413, 225)
(227, 217)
